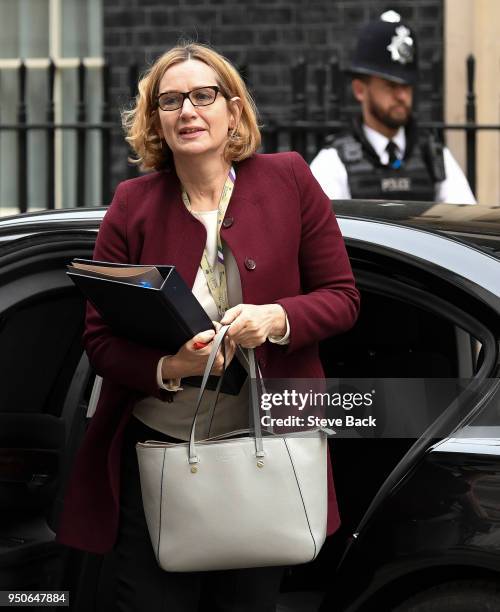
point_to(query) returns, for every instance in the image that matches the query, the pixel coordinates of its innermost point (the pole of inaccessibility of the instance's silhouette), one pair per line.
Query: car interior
(47, 383)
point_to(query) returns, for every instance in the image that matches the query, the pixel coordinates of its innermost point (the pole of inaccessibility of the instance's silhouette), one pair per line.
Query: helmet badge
(401, 47)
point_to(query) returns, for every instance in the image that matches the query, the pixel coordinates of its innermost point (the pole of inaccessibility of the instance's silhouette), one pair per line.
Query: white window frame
(61, 63)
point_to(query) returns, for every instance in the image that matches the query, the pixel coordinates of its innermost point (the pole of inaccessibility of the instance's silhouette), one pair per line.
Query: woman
(255, 237)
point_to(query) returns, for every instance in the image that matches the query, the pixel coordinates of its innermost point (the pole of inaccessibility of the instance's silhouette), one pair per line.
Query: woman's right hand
(189, 361)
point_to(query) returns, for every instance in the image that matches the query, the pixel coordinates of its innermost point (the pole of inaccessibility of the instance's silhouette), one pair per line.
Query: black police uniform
(412, 178)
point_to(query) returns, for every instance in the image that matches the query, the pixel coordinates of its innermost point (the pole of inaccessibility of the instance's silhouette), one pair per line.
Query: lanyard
(216, 275)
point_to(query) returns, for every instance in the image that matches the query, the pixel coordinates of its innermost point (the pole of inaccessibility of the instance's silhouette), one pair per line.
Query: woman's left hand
(252, 324)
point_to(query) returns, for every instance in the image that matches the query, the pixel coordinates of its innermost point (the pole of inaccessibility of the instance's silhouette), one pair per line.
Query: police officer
(381, 157)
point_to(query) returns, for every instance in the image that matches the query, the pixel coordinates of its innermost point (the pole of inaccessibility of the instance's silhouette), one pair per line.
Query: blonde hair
(140, 122)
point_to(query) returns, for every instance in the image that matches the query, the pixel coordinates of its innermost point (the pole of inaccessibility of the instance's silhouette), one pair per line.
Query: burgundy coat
(278, 217)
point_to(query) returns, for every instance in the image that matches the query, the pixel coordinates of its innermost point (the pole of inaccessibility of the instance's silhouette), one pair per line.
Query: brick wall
(265, 38)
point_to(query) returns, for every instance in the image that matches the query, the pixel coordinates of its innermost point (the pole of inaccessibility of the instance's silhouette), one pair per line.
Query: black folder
(157, 310)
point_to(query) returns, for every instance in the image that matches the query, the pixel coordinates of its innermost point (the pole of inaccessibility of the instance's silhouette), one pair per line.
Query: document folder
(150, 305)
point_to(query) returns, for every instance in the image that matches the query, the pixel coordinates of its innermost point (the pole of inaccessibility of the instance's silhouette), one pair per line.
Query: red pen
(199, 345)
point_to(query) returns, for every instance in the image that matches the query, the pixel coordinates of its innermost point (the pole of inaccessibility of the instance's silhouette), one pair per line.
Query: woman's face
(196, 130)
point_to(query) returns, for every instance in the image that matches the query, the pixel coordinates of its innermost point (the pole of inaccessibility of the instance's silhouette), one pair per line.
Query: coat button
(227, 221)
(250, 264)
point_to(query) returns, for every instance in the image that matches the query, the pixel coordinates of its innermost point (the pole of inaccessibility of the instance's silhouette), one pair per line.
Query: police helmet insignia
(387, 48)
(401, 47)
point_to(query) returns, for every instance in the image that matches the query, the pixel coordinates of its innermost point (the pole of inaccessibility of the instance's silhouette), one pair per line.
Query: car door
(430, 311)
(44, 381)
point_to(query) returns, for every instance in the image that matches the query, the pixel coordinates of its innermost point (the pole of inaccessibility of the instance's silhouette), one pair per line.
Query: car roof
(16, 226)
(461, 240)
(476, 225)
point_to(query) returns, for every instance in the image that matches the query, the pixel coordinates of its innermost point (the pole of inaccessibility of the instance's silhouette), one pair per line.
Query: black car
(420, 516)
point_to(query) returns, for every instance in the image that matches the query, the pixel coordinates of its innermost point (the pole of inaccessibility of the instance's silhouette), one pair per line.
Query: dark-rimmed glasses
(201, 96)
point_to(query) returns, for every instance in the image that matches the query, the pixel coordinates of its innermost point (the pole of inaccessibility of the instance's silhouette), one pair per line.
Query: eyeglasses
(201, 96)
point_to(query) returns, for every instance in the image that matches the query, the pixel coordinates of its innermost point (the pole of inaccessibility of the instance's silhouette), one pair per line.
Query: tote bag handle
(253, 394)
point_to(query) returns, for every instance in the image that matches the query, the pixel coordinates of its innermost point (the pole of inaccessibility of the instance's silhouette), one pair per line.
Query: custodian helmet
(387, 49)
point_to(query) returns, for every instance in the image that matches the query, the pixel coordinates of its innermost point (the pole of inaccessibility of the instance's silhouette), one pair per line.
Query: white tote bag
(235, 502)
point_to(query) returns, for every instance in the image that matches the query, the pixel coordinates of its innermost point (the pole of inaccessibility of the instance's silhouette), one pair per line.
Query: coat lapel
(177, 237)
(244, 236)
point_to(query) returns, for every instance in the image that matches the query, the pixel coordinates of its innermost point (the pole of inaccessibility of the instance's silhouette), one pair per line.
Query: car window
(393, 339)
(40, 348)
(405, 330)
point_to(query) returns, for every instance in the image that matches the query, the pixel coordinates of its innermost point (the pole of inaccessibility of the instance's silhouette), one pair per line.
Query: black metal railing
(318, 109)
(81, 128)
